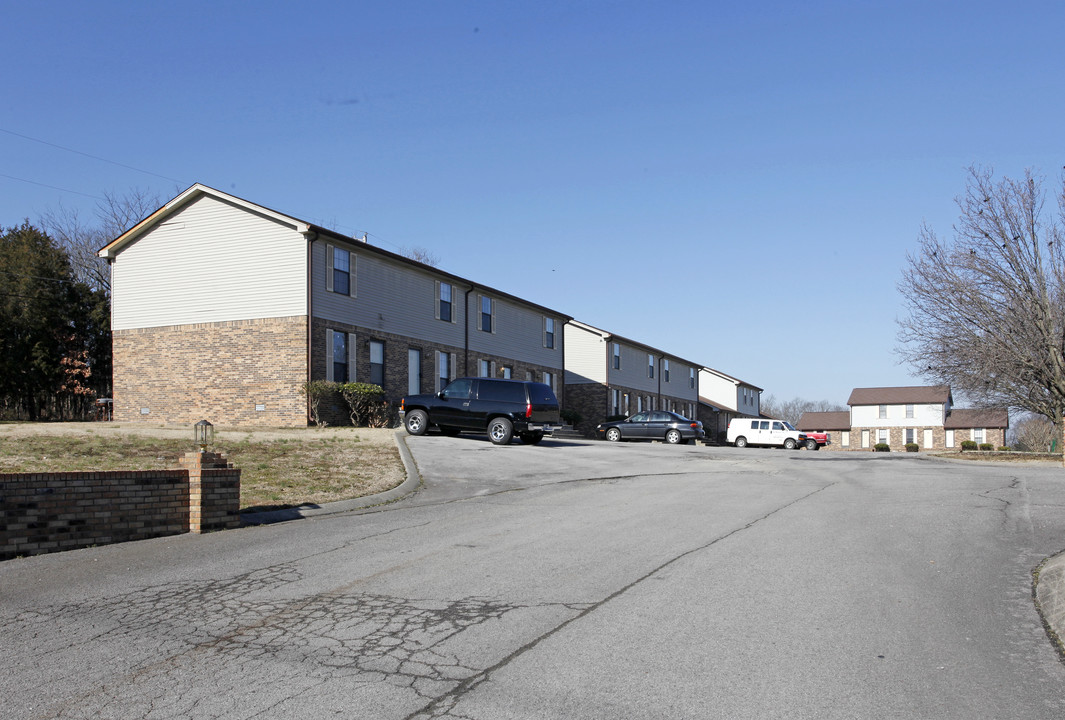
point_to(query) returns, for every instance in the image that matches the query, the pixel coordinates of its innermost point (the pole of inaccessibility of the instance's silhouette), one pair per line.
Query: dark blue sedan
(671, 427)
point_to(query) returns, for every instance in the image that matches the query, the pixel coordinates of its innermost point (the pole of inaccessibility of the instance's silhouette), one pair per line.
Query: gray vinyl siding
(387, 296)
(587, 355)
(633, 372)
(517, 332)
(678, 380)
(210, 262)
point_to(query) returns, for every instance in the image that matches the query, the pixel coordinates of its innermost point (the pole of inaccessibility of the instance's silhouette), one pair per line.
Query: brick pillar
(214, 492)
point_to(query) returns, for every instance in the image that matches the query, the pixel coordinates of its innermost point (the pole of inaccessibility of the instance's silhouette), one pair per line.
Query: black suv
(502, 408)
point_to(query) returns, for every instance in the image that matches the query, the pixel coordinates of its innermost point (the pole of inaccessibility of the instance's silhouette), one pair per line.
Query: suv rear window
(540, 394)
(501, 391)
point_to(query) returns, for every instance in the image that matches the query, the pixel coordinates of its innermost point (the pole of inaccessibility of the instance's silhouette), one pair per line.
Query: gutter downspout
(466, 327)
(310, 236)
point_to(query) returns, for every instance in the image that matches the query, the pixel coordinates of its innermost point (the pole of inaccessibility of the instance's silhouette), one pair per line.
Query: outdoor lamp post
(204, 433)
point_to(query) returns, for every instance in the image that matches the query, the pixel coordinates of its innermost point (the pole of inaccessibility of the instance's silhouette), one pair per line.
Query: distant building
(896, 416)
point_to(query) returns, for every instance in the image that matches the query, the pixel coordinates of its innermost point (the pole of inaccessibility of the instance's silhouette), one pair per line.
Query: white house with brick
(722, 398)
(608, 375)
(896, 416)
(222, 309)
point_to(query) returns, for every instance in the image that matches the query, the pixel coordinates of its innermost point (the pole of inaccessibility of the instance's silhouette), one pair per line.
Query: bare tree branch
(986, 311)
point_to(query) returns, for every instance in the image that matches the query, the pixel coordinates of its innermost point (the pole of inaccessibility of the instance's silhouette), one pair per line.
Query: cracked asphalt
(570, 580)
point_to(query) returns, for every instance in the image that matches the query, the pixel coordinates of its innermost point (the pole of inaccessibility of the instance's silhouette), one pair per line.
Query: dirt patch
(280, 467)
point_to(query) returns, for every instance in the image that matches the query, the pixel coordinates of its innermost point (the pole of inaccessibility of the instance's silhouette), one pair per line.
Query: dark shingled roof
(988, 418)
(814, 421)
(900, 395)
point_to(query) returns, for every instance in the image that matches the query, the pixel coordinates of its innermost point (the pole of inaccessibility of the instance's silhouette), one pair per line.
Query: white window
(950, 438)
(414, 371)
(445, 369)
(487, 316)
(486, 368)
(909, 411)
(978, 435)
(377, 363)
(338, 270)
(340, 356)
(911, 435)
(444, 307)
(549, 332)
(883, 436)
(883, 412)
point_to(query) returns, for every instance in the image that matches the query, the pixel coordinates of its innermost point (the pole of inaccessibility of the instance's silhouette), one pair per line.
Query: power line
(52, 187)
(85, 154)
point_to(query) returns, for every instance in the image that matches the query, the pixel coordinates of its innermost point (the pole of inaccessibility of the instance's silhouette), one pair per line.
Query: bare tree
(82, 237)
(1034, 434)
(420, 254)
(792, 410)
(987, 309)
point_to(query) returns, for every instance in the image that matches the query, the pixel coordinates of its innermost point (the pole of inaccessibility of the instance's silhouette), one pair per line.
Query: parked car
(672, 427)
(755, 431)
(501, 408)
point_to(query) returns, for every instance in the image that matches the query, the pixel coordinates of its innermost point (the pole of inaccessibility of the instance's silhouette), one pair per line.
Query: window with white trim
(487, 321)
(414, 371)
(911, 435)
(444, 307)
(883, 412)
(445, 369)
(377, 363)
(978, 435)
(486, 368)
(909, 411)
(883, 435)
(340, 356)
(338, 270)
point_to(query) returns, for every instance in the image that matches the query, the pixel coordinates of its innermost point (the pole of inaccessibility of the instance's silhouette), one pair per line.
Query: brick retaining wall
(48, 512)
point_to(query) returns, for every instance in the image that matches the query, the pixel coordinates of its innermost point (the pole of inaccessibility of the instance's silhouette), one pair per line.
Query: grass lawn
(282, 468)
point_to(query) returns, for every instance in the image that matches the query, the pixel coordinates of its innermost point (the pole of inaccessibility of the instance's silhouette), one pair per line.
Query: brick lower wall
(49, 512)
(592, 401)
(245, 372)
(396, 374)
(897, 438)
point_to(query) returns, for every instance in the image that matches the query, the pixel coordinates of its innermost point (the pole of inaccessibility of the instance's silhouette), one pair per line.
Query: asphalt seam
(446, 702)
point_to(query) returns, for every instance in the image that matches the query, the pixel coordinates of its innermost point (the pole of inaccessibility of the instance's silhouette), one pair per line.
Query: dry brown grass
(279, 468)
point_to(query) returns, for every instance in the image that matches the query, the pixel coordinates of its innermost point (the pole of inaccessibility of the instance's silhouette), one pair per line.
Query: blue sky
(734, 183)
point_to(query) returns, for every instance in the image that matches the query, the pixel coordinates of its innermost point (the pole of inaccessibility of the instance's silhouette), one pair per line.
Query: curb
(1048, 589)
(408, 486)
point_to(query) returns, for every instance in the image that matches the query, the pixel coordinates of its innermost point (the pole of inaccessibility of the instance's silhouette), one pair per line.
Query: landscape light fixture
(204, 434)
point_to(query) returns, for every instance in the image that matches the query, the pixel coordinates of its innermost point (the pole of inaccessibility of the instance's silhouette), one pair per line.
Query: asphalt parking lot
(571, 579)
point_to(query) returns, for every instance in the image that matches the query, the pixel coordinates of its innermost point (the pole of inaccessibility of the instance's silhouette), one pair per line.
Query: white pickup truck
(756, 431)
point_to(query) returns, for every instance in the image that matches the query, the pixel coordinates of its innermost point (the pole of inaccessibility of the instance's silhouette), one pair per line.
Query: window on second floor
(909, 411)
(883, 412)
(616, 357)
(650, 365)
(691, 378)
(443, 302)
(549, 333)
(665, 370)
(338, 270)
(487, 315)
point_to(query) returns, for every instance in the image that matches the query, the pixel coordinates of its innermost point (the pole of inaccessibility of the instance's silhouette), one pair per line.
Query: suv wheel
(789, 444)
(417, 422)
(500, 430)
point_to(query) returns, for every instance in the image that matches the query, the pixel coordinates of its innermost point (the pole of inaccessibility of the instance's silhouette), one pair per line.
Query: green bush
(882, 447)
(571, 417)
(911, 447)
(368, 405)
(967, 445)
(317, 391)
(987, 446)
(1004, 448)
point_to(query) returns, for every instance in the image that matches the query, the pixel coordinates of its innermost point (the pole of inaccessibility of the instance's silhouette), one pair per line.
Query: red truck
(814, 440)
